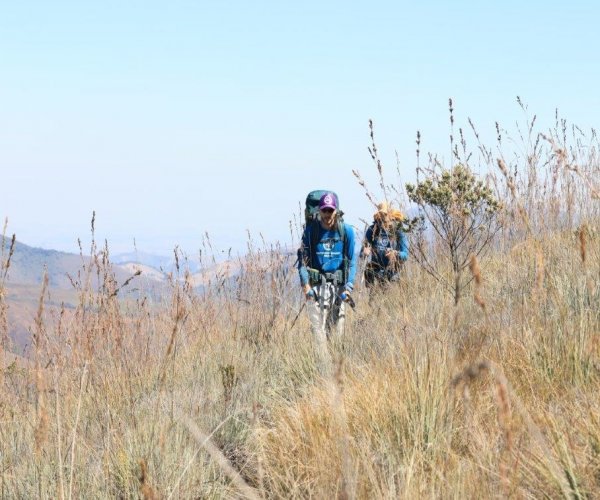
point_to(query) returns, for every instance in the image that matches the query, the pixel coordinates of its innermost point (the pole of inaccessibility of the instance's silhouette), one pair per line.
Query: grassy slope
(411, 411)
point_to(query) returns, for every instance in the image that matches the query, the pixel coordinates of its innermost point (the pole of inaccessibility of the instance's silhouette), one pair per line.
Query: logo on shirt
(383, 242)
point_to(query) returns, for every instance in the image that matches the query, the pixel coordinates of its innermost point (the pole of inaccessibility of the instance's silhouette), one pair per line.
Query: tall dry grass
(217, 392)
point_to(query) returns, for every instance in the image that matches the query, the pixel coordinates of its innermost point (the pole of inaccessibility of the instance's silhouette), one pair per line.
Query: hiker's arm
(303, 258)
(351, 258)
(402, 246)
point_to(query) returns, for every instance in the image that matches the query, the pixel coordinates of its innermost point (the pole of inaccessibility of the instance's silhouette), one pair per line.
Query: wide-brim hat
(384, 208)
(397, 215)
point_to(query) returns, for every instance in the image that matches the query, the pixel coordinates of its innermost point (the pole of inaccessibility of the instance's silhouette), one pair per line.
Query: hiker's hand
(346, 297)
(308, 292)
(366, 251)
(392, 255)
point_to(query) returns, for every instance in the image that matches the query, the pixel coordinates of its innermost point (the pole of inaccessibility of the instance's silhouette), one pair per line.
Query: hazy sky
(170, 119)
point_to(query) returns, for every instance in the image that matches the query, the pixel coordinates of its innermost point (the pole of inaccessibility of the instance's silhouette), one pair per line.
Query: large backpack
(311, 216)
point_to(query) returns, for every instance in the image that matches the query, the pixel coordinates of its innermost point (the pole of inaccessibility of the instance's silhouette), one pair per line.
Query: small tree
(461, 212)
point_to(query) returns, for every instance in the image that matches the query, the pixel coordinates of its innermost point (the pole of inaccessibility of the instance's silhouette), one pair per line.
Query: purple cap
(327, 201)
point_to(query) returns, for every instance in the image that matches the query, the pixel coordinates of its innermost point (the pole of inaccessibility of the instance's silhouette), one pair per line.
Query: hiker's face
(328, 217)
(384, 218)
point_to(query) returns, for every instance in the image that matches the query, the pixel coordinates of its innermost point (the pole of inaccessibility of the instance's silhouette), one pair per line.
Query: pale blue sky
(170, 119)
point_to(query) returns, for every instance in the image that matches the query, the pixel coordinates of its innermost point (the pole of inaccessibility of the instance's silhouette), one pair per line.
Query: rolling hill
(67, 274)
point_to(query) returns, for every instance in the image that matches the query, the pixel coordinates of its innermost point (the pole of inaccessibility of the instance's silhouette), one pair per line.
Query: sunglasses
(327, 210)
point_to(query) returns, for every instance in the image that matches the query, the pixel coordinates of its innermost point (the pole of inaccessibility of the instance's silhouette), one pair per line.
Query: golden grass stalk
(59, 457)
(582, 237)
(476, 273)
(145, 488)
(75, 426)
(217, 455)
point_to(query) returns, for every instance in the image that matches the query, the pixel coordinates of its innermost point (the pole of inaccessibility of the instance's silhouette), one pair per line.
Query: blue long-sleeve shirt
(382, 241)
(328, 253)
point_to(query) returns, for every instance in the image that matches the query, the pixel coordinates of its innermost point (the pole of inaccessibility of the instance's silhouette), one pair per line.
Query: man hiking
(327, 267)
(386, 244)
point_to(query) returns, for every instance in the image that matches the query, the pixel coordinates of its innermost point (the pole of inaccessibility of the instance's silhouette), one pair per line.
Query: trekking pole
(322, 296)
(297, 316)
(361, 269)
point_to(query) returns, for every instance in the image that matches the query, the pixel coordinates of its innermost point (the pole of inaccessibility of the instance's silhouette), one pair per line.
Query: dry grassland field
(484, 384)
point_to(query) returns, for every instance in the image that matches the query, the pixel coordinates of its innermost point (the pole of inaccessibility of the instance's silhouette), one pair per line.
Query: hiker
(386, 244)
(327, 267)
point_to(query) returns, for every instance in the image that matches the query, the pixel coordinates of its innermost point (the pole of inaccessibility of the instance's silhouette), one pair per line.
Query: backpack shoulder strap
(341, 228)
(376, 230)
(314, 240)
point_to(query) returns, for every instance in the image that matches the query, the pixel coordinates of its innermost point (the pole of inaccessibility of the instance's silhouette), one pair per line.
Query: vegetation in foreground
(218, 394)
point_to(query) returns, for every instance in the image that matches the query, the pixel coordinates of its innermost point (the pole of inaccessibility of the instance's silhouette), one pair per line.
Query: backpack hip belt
(314, 276)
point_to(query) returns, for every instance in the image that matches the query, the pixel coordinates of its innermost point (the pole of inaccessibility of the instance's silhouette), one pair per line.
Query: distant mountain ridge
(28, 264)
(158, 262)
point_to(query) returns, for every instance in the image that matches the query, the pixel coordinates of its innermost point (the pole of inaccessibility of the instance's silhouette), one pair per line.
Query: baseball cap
(327, 201)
